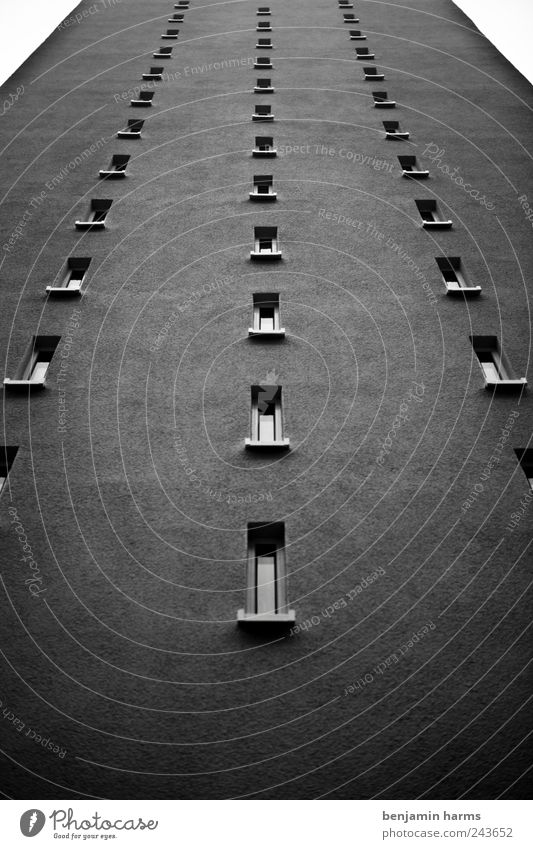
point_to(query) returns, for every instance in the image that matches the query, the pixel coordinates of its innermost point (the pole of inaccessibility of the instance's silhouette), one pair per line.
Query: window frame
(270, 537)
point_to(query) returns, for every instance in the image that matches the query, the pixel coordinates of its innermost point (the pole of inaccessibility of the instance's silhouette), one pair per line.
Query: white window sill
(90, 225)
(112, 175)
(64, 290)
(9, 382)
(437, 225)
(352, 20)
(268, 255)
(416, 175)
(152, 76)
(280, 332)
(274, 444)
(369, 57)
(520, 381)
(175, 20)
(376, 77)
(263, 29)
(263, 66)
(162, 55)
(456, 289)
(126, 134)
(169, 37)
(384, 104)
(256, 117)
(263, 89)
(264, 46)
(264, 153)
(270, 196)
(396, 135)
(140, 102)
(357, 37)
(266, 618)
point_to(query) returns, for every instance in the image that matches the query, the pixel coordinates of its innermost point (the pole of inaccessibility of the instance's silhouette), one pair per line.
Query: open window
(143, 100)
(266, 422)
(372, 74)
(72, 277)
(155, 73)
(265, 243)
(411, 168)
(7, 457)
(34, 365)
(96, 216)
(266, 315)
(431, 217)
(132, 131)
(163, 53)
(170, 34)
(263, 62)
(496, 368)
(263, 113)
(382, 101)
(266, 577)
(264, 86)
(363, 53)
(263, 189)
(116, 168)
(264, 147)
(394, 131)
(525, 458)
(454, 276)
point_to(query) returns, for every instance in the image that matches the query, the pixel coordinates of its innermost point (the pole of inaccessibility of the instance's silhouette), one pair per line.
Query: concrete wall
(130, 658)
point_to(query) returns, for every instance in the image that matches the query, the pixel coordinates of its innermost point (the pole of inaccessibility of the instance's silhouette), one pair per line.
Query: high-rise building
(266, 467)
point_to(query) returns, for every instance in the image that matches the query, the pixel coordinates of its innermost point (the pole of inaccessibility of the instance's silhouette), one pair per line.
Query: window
(264, 147)
(176, 18)
(265, 243)
(96, 216)
(264, 10)
(263, 113)
(372, 73)
(393, 131)
(72, 277)
(264, 85)
(431, 218)
(7, 456)
(350, 18)
(155, 73)
(266, 423)
(35, 362)
(132, 131)
(263, 26)
(264, 43)
(266, 578)
(495, 366)
(357, 35)
(525, 458)
(170, 34)
(144, 99)
(263, 188)
(454, 277)
(183, 4)
(117, 167)
(410, 167)
(345, 4)
(266, 316)
(363, 53)
(163, 53)
(382, 101)
(263, 62)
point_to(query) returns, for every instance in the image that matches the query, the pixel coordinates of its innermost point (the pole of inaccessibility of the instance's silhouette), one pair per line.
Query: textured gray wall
(130, 660)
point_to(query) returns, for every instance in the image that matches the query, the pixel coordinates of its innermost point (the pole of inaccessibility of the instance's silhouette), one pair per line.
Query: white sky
(24, 24)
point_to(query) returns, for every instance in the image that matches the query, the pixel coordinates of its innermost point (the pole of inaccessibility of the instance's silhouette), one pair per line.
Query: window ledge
(352, 20)
(266, 618)
(112, 175)
(140, 102)
(368, 57)
(90, 225)
(256, 117)
(376, 77)
(262, 65)
(64, 290)
(520, 381)
(357, 37)
(384, 104)
(279, 333)
(271, 196)
(169, 37)
(264, 153)
(263, 29)
(264, 46)
(268, 255)
(14, 383)
(263, 89)
(416, 175)
(275, 444)
(397, 136)
(162, 55)
(437, 225)
(455, 289)
(152, 76)
(125, 134)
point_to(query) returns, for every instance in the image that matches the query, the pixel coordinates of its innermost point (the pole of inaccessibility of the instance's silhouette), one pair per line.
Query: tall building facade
(266, 503)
